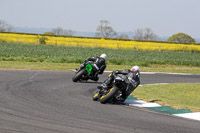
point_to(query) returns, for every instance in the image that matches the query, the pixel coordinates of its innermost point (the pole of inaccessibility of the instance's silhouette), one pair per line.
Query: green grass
(62, 54)
(72, 66)
(178, 96)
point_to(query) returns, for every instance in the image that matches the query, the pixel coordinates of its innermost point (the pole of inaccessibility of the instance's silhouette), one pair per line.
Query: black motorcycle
(114, 92)
(84, 72)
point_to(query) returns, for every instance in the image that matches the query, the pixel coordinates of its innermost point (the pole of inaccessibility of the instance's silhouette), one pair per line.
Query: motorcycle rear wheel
(107, 97)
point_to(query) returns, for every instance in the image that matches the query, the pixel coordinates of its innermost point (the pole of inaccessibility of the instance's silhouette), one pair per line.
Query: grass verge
(178, 96)
(71, 66)
(62, 54)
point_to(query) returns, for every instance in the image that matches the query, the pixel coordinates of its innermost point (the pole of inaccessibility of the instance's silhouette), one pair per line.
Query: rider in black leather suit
(99, 65)
(133, 76)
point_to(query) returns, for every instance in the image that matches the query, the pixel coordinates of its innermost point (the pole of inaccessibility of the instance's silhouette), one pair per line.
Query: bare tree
(58, 31)
(145, 34)
(123, 36)
(139, 34)
(5, 27)
(105, 31)
(61, 31)
(2, 25)
(10, 28)
(69, 32)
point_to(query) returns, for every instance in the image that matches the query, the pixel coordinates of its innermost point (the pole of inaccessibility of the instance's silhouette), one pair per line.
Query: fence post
(38, 41)
(159, 48)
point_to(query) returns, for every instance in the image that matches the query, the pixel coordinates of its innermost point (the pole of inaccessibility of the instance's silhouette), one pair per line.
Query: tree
(5, 27)
(58, 31)
(48, 33)
(105, 31)
(69, 32)
(144, 34)
(123, 36)
(139, 34)
(61, 31)
(181, 38)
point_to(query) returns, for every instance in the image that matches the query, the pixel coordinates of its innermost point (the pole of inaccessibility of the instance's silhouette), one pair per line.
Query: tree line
(105, 30)
(5, 27)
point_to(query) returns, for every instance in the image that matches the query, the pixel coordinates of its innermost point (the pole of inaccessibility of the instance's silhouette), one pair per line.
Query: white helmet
(135, 68)
(104, 56)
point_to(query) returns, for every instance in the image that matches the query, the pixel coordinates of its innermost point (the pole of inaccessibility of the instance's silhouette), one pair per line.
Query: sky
(164, 17)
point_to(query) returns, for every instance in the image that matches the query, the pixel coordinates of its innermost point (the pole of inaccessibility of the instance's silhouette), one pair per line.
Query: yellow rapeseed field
(92, 42)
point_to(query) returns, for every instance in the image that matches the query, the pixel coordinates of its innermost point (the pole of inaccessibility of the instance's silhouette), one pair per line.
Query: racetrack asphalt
(49, 102)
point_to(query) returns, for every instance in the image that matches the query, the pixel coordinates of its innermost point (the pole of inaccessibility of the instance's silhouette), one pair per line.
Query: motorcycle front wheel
(108, 96)
(78, 75)
(96, 96)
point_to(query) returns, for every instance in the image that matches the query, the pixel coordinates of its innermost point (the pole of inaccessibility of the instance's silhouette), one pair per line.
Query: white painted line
(140, 103)
(150, 105)
(30, 79)
(108, 71)
(161, 73)
(148, 72)
(156, 84)
(167, 73)
(180, 73)
(140, 72)
(194, 116)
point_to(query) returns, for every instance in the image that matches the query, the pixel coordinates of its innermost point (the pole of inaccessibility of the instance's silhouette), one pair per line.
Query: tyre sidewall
(107, 97)
(78, 75)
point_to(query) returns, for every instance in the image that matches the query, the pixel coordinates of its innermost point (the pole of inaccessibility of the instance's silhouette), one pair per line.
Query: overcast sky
(164, 17)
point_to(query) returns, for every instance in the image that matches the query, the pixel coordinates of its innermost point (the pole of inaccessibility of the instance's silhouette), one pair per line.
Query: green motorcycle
(84, 73)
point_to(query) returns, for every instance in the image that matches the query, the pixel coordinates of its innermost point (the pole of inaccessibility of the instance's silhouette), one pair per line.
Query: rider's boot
(95, 77)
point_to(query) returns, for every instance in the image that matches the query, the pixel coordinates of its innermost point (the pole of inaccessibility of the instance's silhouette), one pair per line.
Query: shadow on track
(90, 82)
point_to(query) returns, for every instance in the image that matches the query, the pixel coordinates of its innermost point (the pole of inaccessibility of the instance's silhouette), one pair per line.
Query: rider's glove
(132, 81)
(115, 72)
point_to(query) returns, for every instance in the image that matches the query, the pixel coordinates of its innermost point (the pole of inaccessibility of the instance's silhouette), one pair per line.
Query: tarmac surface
(49, 102)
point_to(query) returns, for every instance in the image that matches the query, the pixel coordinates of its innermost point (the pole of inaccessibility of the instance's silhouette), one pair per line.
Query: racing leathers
(132, 82)
(99, 65)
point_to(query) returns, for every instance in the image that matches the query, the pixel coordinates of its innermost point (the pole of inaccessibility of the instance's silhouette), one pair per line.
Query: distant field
(97, 42)
(63, 54)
